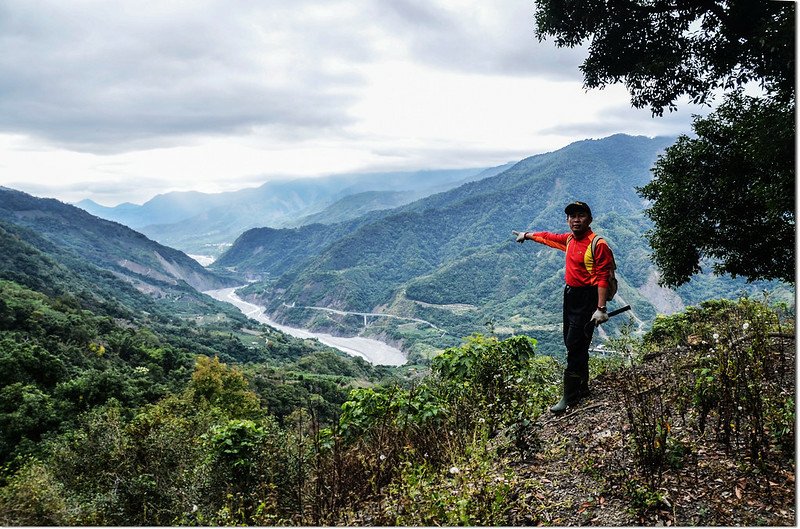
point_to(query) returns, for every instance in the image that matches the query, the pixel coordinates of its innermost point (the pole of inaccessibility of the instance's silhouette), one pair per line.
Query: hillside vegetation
(691, 425)
(454, 249)
(124, 405)
(108, 245)
(77, 333)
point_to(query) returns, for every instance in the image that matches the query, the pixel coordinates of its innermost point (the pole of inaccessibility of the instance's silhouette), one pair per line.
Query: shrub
(470, 492)
(485, 390)
(250, 475)
(33, 497)
(502, 382)
(739, 378)
(649, 418)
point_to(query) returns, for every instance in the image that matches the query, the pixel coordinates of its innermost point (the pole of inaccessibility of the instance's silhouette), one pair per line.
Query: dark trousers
(579, 305)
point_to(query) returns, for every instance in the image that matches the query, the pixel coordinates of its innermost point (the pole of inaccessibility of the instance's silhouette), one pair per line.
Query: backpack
(613, 284)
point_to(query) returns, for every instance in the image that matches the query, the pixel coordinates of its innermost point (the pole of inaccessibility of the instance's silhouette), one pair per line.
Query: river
(373, 351)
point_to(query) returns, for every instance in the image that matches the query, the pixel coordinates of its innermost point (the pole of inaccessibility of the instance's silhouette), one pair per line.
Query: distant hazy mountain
(450, 258)
(201, 223)
(161, 209)
(355, 205)
(70, 231)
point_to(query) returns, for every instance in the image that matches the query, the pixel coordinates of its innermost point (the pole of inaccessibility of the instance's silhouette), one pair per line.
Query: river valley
(374, 351)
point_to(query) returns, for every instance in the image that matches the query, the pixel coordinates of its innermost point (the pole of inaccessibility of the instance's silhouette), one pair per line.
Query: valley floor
(373, 351)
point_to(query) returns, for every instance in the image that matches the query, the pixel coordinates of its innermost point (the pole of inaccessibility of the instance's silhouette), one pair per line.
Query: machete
(589, 327)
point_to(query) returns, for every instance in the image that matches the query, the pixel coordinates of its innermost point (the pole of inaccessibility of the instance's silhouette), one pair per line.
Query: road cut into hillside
(373, 351)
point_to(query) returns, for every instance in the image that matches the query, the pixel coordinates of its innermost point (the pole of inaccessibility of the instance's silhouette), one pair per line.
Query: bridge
(365, 315)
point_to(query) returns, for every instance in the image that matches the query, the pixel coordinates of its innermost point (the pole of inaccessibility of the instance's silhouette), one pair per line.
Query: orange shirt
(583, 269)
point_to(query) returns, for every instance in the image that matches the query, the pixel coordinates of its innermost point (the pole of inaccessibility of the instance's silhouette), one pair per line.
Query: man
(585, 294)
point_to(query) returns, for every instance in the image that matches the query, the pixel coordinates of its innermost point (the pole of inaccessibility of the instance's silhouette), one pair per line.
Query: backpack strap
(593, 246)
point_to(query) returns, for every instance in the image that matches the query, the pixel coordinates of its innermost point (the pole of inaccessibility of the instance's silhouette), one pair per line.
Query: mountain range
(206, 223)
(442, 266)
(49, 243)
(449, 259)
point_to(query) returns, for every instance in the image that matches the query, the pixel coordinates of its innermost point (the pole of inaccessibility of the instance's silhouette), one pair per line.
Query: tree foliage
(663, 50)
(58, 361)
(727, 195)
(446, 449)
(214, 383)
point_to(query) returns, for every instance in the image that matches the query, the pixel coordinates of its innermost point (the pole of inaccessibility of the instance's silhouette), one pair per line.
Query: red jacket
(583, 269)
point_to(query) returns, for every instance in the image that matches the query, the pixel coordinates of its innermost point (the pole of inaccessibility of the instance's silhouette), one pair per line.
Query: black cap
(576, 206)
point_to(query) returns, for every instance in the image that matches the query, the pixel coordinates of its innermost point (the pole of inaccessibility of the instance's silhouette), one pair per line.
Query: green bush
(485, 392)
(470, 492)
(502, 382)
(34, 497)
(252, 475)
(740, 371)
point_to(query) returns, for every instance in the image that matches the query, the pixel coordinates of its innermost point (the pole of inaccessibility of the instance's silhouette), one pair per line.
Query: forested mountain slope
(75, 339)
(450, 258)
(530, 193)
(353, 206)
(128, 254)
(667, 437)
(80, 332)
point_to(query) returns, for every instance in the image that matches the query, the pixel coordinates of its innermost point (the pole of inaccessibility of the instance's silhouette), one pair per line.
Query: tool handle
(619, 311)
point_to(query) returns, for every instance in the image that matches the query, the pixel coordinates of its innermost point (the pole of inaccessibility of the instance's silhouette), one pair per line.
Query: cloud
(100, 76)
(629, 120)
(126, 99)
(108, 77)
(487, 38)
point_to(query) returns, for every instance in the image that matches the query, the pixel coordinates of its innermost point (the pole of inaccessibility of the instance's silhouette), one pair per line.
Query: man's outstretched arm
(554, 240)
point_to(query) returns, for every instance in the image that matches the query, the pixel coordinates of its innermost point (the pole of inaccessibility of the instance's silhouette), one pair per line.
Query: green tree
(728, 194)
(662, 49)
(26, 413)
(219, 385)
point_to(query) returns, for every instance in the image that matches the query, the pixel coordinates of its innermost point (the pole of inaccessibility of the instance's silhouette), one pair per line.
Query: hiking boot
(571, 393)
(583, 389)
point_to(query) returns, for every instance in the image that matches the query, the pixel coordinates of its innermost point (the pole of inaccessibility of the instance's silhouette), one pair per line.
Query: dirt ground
(585, 471)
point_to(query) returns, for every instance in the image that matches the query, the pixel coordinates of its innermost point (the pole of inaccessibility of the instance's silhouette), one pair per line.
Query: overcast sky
(122, 100)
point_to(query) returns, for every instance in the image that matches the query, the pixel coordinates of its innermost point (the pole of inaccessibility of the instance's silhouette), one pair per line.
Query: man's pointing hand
(520, 235)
